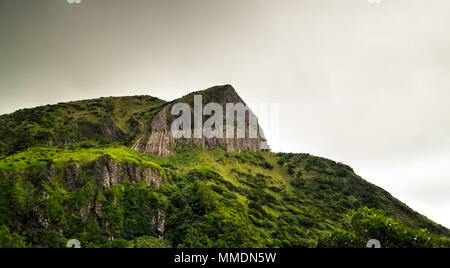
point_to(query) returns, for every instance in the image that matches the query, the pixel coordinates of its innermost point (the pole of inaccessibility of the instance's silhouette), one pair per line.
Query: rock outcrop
(159, 222)
(109, 173)
(161, 142)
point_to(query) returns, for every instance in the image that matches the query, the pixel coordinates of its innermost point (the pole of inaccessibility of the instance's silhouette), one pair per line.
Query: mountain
(105, 172)
(160, 141)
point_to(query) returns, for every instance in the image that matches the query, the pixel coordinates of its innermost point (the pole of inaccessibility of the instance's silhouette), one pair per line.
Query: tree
(366, 224)
(10, 240)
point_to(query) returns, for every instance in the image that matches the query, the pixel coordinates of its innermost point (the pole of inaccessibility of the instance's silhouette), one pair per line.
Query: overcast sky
(360, 83)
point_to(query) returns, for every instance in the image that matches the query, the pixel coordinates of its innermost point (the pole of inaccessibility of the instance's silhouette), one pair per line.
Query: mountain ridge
(89, 184)
(160, 141)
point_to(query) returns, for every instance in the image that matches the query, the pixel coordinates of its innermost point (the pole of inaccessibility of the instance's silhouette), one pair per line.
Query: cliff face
(161, 142)
(105, 173)
(94, 188)
(110, 173)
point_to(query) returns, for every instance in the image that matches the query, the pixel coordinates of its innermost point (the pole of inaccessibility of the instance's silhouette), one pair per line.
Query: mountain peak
(218, 94)
(71, 165)
(211, 90)
(160, 140)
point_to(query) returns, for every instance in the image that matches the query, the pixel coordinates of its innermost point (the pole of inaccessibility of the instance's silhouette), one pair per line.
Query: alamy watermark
(373, 243)
(73, 243)
(241, 122)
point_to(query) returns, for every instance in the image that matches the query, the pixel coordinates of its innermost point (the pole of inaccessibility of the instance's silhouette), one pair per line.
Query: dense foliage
(66, 172)
(104, 120)
(211, 198)
(366, 224)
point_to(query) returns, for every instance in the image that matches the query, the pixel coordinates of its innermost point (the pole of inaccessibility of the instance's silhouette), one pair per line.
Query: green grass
(50, 158)
(72, 122)
(277, 200)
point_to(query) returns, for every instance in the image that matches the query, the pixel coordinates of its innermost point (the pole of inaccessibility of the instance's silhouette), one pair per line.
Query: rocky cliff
(104, 172)
(110, 173)
(67, 171)
(160, 141)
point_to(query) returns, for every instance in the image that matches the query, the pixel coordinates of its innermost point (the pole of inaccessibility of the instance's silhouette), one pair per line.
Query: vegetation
(53, 188)
(211, 199)
(365, 224)
(104, 120)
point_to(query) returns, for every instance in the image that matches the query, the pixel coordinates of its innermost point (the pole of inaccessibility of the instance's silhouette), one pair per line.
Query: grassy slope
(281, 199)
(76, 121)
(213, 198)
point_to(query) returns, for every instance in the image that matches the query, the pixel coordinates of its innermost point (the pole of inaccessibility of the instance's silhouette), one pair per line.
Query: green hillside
(105, 119)
(66, 172)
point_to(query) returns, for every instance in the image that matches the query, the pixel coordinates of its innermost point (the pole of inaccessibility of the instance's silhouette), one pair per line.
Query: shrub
(10, 240)
(366, 224)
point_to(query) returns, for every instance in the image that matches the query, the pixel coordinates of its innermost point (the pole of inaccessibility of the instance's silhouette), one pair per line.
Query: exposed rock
(71, 177)
(42, 220)
(107, 173)
(51, 173)
(84, 212)
(61, 142)
(159, 222)
(161, 142)
(110, 173)
(45, 196)
(98, 210)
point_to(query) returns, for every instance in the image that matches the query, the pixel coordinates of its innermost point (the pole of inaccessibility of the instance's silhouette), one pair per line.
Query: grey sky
(365, 84)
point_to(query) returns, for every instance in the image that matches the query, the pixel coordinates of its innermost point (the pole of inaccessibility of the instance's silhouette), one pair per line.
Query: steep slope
(105, 120)
(82, 180)
(159, 140)
(117, 197)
